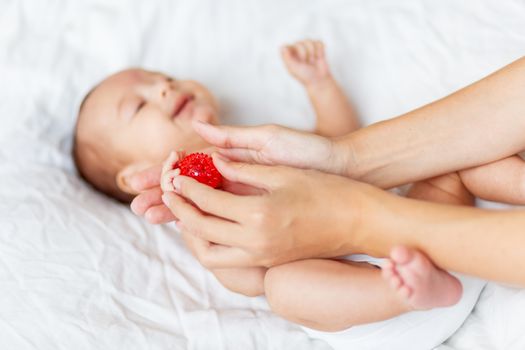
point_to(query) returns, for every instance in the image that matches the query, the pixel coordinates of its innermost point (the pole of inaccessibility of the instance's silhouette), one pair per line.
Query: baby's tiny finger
(319, 49)
(286, 50)
(168, 163)
(310, 49)
(287, 53)
(300, 51)
(166, 182)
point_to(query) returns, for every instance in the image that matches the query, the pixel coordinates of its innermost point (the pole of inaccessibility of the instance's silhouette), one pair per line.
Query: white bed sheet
(78, 271)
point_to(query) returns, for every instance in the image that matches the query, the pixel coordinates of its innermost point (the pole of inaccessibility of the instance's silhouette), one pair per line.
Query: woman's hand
(152, 182)
(297, 214)
(277, 145)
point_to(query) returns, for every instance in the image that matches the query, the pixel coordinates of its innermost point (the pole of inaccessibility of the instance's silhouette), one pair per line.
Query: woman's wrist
(380, 154)
(372, 220)
(343, 157)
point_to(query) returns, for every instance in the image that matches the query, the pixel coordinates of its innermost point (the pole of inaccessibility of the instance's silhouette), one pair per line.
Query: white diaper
(417, 330)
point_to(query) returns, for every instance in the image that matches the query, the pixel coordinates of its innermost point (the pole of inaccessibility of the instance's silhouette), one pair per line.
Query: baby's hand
(168, 173)
(305, 60)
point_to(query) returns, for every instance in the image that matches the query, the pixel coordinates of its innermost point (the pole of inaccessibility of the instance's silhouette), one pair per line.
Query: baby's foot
(421, 284)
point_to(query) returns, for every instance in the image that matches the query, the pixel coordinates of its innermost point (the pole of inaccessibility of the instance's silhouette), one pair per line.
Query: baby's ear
(123, 175)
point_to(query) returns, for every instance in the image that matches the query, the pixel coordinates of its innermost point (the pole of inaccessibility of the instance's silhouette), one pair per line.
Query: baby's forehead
(108, 93)
(113, 86)
(130, 78)
(125, 78)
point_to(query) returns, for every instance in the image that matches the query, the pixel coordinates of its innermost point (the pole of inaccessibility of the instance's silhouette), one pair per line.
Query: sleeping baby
(135, 118)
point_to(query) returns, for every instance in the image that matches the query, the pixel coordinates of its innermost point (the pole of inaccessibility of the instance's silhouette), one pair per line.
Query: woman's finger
(214, 256)
(194, 243)
(240, 155)
(241, 189)
(254, 137)
(204, 226)
(255, 175)
(212, 201)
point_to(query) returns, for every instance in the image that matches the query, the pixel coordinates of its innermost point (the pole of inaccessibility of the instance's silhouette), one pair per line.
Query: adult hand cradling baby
(307, 213)
(241, 221)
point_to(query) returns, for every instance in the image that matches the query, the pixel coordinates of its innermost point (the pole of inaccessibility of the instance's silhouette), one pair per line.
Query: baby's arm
(306, 62)
(500, 181)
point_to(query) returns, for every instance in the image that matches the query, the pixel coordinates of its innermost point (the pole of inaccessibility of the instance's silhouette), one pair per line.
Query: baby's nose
(165, 88)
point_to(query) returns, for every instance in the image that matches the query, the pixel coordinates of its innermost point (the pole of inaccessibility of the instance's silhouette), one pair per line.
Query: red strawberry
(200, 167)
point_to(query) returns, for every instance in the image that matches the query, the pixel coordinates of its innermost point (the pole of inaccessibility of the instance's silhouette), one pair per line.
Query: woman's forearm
(481, 123)
(487, 244)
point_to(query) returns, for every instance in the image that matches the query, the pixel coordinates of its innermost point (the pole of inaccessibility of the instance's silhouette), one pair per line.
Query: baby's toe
(405, 292)
(395, 282)
(401, 255)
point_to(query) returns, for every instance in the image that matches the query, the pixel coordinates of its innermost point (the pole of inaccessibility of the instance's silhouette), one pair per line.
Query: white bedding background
(80, 272)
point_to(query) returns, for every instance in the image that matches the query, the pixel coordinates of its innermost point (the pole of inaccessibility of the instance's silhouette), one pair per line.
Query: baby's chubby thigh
(329, 295)
(248, 281)
(413, 330)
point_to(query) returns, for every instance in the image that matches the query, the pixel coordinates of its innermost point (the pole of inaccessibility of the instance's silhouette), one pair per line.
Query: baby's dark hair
(83, 149)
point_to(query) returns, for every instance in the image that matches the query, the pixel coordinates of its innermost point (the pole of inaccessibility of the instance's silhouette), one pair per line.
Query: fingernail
(166, 199)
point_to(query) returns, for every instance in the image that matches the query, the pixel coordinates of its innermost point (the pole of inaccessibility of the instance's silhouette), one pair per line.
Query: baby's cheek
(167, 140)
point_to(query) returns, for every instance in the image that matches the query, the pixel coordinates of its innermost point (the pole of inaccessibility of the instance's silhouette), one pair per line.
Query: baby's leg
(500, 181)
(418, 281)
(248, 281)
(447, 189)
(410, 273)
(331, 295)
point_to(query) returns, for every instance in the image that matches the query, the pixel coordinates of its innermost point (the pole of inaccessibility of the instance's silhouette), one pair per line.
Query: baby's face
(144, 115)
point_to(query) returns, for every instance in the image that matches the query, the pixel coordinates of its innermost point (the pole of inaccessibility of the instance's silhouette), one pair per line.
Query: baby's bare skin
(342, 304)
(146, 102)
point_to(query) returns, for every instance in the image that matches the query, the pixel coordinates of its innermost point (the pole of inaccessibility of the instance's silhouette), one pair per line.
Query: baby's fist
(305, 60)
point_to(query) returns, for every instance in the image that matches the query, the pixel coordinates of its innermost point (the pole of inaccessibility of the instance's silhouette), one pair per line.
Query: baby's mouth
(181, 103)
